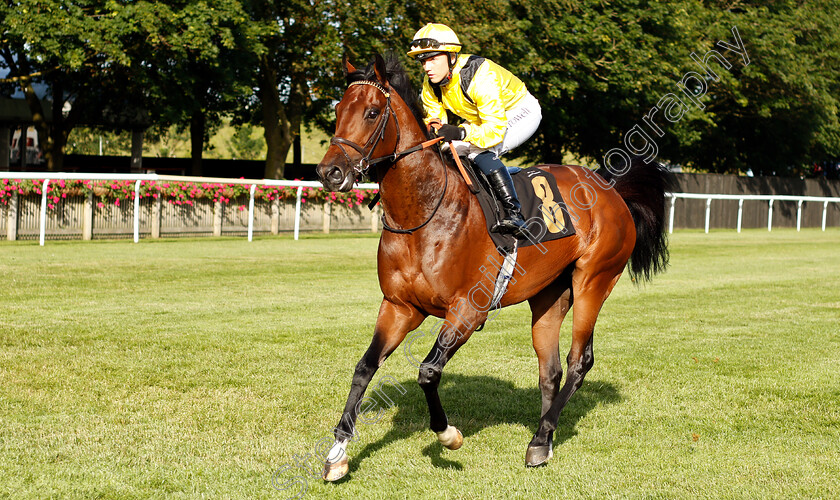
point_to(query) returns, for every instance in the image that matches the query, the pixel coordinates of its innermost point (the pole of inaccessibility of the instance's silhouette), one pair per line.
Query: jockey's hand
(451, 133)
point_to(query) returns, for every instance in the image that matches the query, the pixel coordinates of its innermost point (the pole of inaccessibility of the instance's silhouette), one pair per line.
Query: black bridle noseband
(364, 164)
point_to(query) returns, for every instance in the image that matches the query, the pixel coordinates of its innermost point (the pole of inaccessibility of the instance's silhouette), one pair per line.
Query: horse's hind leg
(590, 292)
(548, 308)
(392, 325)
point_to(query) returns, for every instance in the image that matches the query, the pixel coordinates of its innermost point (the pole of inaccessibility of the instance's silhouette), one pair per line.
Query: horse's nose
(330, 174)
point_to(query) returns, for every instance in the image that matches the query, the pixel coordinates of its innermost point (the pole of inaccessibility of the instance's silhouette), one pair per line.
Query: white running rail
(770, 198)
(47, 177)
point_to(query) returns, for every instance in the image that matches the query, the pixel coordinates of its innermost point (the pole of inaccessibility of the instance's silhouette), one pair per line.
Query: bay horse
(435, 232)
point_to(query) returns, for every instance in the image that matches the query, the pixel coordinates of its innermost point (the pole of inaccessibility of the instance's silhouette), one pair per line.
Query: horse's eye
(372, 113)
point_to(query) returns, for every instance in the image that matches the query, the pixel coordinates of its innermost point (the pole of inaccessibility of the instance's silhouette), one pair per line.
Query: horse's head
(364, 118)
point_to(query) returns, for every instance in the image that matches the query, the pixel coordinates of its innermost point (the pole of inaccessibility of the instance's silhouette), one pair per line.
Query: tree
(778, 114)
(57, 43)
(243, 145)
(161, 61)
(300, 75)
(288, 71)
(599, 68)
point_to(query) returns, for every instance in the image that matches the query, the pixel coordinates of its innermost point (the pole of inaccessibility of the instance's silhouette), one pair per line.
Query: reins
(366, 151)
(434, 211)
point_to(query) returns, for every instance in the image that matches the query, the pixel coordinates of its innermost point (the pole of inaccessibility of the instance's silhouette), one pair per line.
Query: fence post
(297, 212)
(137, 211)
(44, 211)
(157, 208)
(12, 218)
(708, 213)
(327, 214)
(87, 218)
(251, 213)
(798, 214)
(740, 212)
(670, 216)
(825, 209)
(275, 216)
(770, 215)
(217, 218)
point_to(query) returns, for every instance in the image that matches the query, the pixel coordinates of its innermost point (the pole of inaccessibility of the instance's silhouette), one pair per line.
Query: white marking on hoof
(338, 451)
(451, 438)
(337, 464)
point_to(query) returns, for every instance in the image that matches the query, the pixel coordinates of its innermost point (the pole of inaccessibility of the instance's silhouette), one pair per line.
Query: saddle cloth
(543, 208)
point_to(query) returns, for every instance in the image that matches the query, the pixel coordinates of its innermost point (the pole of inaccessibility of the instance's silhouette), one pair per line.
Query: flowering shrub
(176, 193)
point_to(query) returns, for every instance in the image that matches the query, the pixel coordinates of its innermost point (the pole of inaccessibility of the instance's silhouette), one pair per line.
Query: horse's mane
(399, 81)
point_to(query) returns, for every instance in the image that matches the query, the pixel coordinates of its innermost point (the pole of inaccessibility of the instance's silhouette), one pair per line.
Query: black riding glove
(451, 133)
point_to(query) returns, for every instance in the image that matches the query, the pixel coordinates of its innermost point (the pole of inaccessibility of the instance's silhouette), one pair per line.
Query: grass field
(199, 368)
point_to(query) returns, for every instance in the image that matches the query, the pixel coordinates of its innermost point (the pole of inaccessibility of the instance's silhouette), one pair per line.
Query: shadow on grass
(473, 403)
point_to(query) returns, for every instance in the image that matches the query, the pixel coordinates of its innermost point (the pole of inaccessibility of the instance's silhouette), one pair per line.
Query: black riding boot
(502, 184)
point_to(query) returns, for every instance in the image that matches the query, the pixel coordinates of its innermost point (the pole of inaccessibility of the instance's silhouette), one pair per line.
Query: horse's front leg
(454, 333)
(392, 325)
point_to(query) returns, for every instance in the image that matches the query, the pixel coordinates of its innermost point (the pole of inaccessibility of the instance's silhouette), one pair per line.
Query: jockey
(498, 111)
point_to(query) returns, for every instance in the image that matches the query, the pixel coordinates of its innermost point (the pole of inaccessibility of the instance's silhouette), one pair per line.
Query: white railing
(47, 177)
(770, 198)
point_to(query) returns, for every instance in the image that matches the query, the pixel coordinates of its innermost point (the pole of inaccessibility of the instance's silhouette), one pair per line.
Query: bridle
(363, 166)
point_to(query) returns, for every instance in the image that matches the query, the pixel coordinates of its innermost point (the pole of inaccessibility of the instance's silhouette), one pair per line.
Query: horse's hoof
(538, 455)
(451, 438)
(337, 470)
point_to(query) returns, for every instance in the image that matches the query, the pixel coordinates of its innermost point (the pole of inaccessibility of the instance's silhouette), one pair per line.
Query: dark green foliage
(598, 68)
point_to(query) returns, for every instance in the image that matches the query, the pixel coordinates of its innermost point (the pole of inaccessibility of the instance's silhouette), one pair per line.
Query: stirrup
(510, 225)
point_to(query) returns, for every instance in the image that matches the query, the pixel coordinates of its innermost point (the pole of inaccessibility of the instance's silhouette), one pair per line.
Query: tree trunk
(296, 151)
(21, 145)
(277, 144)
(40, 122)
(136, 151)
(197, 126)
(277, 137)
(52, 132)
(5, 150)
(280, 121)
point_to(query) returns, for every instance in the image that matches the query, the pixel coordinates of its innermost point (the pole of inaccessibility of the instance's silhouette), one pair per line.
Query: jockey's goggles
(429, 43)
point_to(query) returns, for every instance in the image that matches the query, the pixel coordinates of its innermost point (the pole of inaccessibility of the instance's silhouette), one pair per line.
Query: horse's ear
(379, 68)
(348, 68)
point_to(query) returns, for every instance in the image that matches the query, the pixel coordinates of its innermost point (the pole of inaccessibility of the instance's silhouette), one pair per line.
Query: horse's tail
(643, 186)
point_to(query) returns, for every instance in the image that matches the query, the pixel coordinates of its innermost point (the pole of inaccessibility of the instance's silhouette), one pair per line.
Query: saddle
(543, 209)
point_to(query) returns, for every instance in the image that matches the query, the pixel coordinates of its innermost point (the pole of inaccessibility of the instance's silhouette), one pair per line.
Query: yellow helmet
(434, 38)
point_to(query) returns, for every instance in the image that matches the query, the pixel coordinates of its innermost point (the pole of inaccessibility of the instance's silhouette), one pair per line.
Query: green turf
(198, 368)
